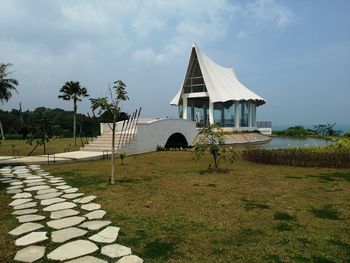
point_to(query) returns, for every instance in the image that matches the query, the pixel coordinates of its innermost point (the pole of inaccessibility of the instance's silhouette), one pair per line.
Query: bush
(336, 155)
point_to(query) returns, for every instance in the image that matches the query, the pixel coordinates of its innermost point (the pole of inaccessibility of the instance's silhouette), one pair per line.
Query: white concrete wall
(265, 131)
(157, 132)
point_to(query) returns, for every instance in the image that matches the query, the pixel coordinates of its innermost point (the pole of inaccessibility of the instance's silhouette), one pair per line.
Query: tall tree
(72, 90)
(111, 106)
(6, 86)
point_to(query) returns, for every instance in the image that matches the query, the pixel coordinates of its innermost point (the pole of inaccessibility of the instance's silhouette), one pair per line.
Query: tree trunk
(113, 149)
(36, 146)
(75, 122)
(2, 132)
(44, 144)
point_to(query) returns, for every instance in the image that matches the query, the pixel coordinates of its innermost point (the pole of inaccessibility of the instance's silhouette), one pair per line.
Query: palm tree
(6, 86)
(72, 90)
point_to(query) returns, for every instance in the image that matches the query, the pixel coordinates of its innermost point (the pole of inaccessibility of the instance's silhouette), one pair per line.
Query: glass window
(198, 111)
(180, 109)
(194, 81)
(224, 114)
(244, 116)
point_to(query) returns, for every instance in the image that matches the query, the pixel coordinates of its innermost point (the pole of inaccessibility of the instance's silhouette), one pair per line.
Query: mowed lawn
(21, 148)
(169, 211)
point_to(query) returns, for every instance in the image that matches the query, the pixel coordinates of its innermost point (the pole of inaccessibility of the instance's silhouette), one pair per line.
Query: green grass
(169, 211)
(22, 148)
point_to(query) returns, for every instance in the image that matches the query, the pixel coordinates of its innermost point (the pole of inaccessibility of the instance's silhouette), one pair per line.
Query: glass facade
(180, 107)
(194, 81)
(244, 113)
(198, 110)
(224, 114)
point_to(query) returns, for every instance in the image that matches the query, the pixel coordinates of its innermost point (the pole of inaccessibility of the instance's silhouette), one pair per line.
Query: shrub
(336, 155)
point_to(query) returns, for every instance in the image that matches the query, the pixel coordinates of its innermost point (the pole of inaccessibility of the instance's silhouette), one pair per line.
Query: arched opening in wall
(176, 140)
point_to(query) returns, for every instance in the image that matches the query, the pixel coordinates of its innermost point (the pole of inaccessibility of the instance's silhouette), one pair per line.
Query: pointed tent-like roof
(221, 83)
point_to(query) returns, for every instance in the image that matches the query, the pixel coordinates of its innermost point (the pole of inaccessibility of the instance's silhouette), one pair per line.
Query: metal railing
(264, 124)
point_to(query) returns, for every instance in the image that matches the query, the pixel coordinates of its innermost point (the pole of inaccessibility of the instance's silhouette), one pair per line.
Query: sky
(294, 54)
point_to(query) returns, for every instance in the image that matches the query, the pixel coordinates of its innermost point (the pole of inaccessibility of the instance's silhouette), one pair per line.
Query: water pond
(288, 142)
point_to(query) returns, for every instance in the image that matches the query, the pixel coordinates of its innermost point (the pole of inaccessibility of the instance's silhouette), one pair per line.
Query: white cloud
(187, 22)
(148, 54)
(269, 11)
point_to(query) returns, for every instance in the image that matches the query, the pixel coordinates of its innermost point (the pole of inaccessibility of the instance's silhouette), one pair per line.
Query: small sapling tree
(111, 106)
(40, 133)
(211, 140)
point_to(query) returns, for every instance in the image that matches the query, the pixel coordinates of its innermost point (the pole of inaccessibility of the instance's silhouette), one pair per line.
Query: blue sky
(295, 54)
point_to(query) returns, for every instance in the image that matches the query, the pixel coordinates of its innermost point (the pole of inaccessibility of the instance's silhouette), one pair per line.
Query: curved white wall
(151, 134)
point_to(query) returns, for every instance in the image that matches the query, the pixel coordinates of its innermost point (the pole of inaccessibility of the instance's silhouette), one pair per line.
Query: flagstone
(71, 190)
(48, 196)
(59, 184)
(34, 180)
(95, 224)
(115, 251)
(97, 214)
(25, 228)
(31, 238)
(36, 184)
(47, 191)
(87, 259)
(84, 200)
(29, 218)
(22, 195)
(14, 187)
(30, 254)
(65, 222)
(63, 213)
(60, 206)
(107, 235)
(71, 196)
(16, 183)
(25, 206)
(20, 201)
(36, 188)
(52, 201)
(66, 234)
(14, 191)
(130, 259)
(72, 250)
(25, 211)
(91, 206)
(63, 187)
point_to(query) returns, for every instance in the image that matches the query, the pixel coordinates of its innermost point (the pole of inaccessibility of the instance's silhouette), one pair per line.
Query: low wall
(156, 133)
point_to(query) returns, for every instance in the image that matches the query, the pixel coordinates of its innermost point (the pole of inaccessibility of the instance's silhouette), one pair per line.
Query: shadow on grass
(134, 180)
(283, 216)
(159, 249)
(214, 170)
(293, 177)
(321, 259)
(341, 244)
(250, 205)
(331, 177)
(326, 212)
(282, 227)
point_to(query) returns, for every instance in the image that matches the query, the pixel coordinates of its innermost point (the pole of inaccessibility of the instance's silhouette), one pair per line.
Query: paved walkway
(54, 158)
(50, 212)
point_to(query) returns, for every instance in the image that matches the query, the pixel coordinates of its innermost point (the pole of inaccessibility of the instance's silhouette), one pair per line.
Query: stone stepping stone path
(30, 254)
(51, 212)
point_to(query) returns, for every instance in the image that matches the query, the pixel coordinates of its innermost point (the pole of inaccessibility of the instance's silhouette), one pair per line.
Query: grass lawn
(170, 212)
(54, 146)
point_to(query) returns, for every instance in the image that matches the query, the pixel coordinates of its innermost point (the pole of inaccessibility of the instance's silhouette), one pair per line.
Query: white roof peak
(221, 82)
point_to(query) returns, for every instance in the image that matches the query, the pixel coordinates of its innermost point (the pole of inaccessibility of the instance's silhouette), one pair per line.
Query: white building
(212, 94)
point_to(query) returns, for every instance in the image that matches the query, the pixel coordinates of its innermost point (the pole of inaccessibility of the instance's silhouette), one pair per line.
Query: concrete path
(53, 158)
(57, 222)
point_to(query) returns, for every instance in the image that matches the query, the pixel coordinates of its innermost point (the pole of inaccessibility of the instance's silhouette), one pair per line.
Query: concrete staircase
(104, 142)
